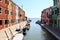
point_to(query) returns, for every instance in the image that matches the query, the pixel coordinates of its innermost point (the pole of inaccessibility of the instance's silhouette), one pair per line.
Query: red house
(3, 13)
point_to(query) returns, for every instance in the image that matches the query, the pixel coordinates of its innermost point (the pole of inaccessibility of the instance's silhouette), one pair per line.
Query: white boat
(18, 36)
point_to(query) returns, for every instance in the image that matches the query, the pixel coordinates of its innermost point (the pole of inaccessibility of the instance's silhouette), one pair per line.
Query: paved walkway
(18, 36)
(53, 31)
(6, 34)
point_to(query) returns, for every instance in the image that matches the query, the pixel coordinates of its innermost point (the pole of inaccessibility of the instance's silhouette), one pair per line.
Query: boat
(18, 36)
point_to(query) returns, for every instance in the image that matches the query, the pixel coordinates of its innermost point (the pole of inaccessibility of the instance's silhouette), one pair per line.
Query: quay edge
(13, 30)
(51, 30)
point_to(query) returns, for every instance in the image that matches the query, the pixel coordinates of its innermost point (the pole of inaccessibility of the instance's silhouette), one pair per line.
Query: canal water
(37, 33)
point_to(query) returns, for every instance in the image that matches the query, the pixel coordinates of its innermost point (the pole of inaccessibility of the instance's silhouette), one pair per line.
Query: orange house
(3, 13)
(10, 12)
(14, 13)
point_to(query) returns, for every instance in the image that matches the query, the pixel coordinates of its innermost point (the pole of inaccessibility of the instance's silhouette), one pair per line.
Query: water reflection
(37, 33)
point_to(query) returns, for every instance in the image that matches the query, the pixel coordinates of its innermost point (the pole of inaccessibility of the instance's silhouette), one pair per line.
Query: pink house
(45, 18)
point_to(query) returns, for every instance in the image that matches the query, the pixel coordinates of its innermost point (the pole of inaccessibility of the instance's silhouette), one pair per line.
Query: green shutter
(54, 16)
(55, 2)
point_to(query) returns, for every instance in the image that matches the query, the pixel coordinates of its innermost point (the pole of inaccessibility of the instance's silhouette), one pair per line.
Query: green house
(55, 2)
(54, 17)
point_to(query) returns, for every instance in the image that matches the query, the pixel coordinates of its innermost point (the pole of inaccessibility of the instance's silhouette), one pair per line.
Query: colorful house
(14, 14)
(55, 2)
(44, 17)
(55, 14)
(10, 13)
(3, 13)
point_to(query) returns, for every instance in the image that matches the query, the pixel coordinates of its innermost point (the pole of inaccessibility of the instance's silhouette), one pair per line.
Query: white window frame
(1, 9)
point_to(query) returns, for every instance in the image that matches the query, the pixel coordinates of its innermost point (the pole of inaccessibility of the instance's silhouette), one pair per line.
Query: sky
(33, 8)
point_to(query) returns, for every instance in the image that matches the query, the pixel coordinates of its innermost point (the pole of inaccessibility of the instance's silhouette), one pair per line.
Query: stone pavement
(7, 33)
(53, 31)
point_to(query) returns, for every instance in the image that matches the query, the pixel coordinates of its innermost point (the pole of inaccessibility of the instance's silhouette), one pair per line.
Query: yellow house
(10, 12)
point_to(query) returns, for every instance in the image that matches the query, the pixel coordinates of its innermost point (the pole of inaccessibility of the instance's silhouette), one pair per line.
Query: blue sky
(33, 8)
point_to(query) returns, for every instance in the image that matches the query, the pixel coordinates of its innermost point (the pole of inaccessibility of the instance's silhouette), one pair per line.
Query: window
(0, 0)
(55, 21)
(6, 11)
(0, 10)
(6, 21)
(47, 14)
(57, 11)
(6, 1)
(0, 22)
(50, 21)
(20, 15)
(11, 13)
(12, 21)
(52, 12)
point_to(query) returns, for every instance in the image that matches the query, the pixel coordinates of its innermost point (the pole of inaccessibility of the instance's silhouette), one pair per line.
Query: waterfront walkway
(8, 33)
(53, 31)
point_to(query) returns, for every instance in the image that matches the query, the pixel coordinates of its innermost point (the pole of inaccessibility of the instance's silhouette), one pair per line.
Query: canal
(37, 33)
